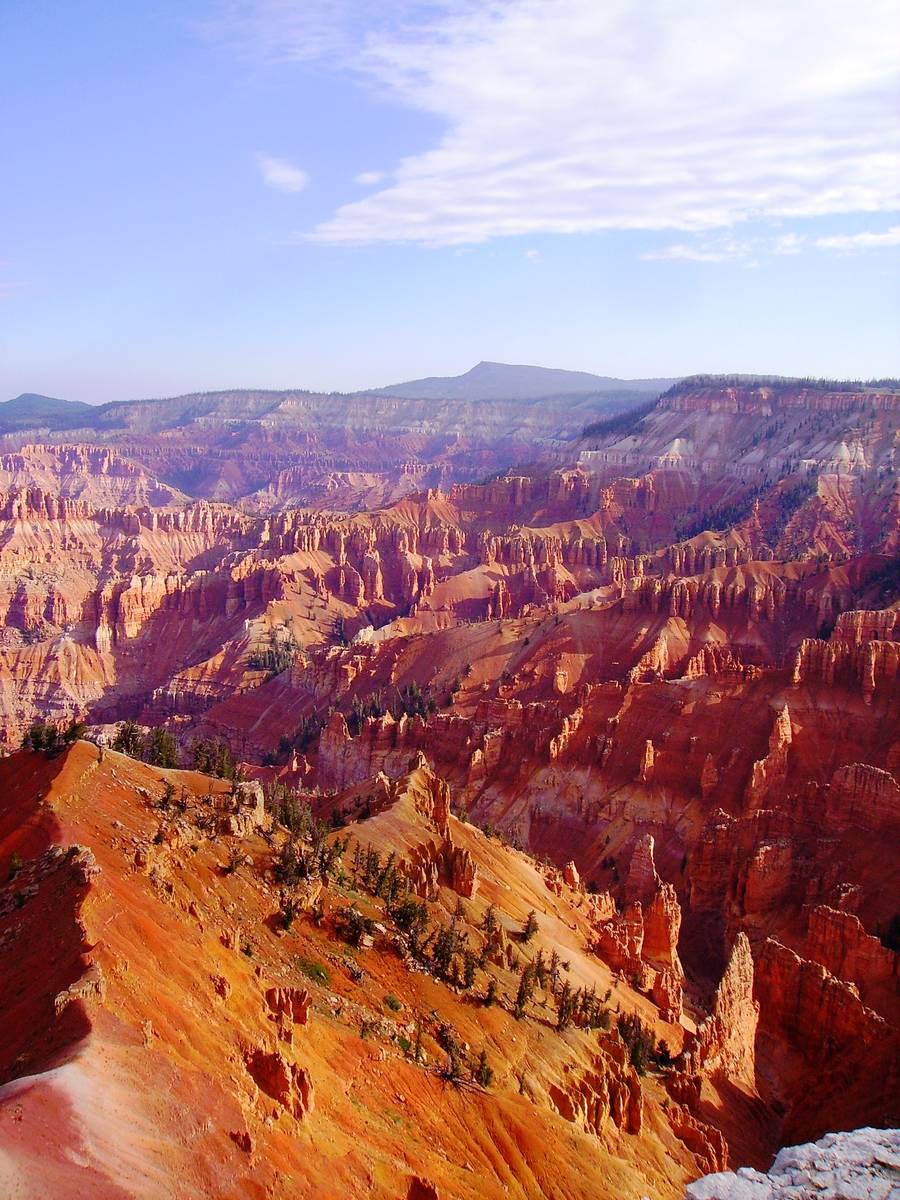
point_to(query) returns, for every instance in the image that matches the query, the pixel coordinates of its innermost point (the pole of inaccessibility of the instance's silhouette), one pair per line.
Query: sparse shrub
(530, 928)
(392, 1002)
(352, 925)
(483, 1074)
(314, 970)
(235, 859)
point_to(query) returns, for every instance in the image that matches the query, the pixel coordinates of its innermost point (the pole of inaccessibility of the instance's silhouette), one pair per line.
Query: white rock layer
(862, 1165)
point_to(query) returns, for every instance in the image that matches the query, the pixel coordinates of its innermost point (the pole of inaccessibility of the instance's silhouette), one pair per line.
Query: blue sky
(265, 193)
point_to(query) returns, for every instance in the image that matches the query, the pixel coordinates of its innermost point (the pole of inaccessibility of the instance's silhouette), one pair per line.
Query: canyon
(606, 684)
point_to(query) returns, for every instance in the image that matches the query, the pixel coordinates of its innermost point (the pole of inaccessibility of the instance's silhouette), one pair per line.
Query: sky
(333, 194)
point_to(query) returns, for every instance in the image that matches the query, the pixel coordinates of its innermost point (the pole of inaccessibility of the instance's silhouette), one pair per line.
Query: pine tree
(523, 995)
(530, 927)
(565, 1006)
(553, 970)
(483, 1074)
(128, 739)
(453, 1068)
(469, 964)
(160, 748)
(540, 968)
(385, 879)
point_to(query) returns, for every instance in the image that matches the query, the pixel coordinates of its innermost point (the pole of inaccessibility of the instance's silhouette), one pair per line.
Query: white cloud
(573, 116)
(719, 251)
(368, 178)
(532, 254)
(281, 175)
(789, 243)
(860, 241)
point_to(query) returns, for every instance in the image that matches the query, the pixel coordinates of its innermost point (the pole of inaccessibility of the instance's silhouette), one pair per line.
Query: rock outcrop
(725, 1042)
(285, 1082)
(862, 1165)
(847, 1057)
(606, 1097)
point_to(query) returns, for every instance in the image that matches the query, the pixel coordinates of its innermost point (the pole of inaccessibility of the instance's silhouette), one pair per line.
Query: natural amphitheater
(370, 828)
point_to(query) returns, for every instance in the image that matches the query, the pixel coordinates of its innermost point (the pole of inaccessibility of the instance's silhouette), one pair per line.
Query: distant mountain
(31, 410)
(503, 381)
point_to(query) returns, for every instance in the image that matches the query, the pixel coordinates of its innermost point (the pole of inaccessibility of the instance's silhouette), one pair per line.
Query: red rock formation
(769, 773)
(291, 1002)
(285, 1082)
(848, 1067)
(838, 941)
(609, 1094)
(725, 1042)
(863, 795)
(704, 1141)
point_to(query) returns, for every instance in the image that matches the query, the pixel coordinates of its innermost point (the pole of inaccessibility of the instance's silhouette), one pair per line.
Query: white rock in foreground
(862, 1165)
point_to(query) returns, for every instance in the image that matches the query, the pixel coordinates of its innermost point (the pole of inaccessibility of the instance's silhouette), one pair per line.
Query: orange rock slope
(164, 1034)
(647, 689)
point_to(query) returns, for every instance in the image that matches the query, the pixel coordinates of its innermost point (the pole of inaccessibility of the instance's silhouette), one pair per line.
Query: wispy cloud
(789, 243)
(368, 178)
(861, 241)
(281, 175)
(719, 251)
(631, 114)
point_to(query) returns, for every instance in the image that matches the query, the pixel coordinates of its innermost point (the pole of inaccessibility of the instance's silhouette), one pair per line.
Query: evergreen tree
(553, 970)
(160, 748)
(524, 993)
(565, 1006)
(469, 964)
(128, 739)
(540, 968)
(483, 1074)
